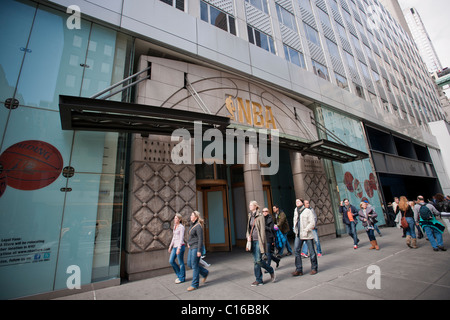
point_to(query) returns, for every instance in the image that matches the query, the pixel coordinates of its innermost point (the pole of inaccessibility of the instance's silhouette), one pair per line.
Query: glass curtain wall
(61, 192)
(356, 180)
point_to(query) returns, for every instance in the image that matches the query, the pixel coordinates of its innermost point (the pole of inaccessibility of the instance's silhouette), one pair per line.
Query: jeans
(197, 269)
(411, 227)
(180, 270)
(312, 254)
(351, 230)
(288, 246)
(270, 255)
(316, 241)
(371, 234)
(259, 262)
(434, 236)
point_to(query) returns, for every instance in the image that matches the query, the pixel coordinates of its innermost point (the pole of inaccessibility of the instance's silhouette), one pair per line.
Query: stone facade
(158, 190)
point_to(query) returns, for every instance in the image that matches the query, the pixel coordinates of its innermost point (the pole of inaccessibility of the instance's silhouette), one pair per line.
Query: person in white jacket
(304, 223)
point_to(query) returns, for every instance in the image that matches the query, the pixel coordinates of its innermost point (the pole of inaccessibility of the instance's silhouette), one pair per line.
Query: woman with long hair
(195, 244)
(367, 215)
(177, 248)
(408, 213)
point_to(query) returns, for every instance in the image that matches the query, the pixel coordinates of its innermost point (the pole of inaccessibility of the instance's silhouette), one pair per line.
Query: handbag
(404, 223)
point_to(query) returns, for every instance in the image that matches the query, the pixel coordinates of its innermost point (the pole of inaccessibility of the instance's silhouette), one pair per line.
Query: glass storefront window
(14, 42)
(56, 62)
(74, 218)
(356, 180)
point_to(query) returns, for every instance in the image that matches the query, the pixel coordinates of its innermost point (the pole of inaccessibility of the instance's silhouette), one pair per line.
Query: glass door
(215, 213)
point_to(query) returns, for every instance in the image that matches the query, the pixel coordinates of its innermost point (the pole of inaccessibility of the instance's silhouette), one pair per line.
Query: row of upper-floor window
(226, 21)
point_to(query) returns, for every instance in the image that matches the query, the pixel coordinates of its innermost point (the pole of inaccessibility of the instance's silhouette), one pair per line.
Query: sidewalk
(343, 274)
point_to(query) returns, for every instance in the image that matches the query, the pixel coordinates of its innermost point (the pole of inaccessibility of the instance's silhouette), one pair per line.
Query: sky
(435, 17)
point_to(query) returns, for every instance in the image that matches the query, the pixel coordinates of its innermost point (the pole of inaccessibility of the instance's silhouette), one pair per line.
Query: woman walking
(408, 213)
(270, 237)
(367, 215)
(256, 235)
(176, 249)
(195, 244)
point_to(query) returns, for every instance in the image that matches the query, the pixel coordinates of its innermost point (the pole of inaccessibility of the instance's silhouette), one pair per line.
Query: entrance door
(213, 205)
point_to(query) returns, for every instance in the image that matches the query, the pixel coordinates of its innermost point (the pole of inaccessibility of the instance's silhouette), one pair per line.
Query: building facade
(422, 39)
(89, 186)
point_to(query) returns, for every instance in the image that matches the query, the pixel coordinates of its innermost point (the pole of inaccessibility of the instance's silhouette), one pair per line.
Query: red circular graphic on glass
(31, 164)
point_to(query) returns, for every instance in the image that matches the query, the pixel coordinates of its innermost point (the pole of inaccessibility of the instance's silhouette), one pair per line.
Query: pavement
(395, 272)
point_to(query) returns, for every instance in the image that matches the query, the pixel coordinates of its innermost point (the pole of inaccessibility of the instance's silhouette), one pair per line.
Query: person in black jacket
(349, 214)
(270, 237)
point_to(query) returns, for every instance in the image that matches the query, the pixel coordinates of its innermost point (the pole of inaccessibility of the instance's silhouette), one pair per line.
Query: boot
(408, 241)
(414, 243)
(373, 242)
(376, 245)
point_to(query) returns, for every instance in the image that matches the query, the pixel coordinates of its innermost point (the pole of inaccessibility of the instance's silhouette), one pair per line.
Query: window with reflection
(217, 17)
(320, 70)
(259, 4)
(260, 39)
(294, 56)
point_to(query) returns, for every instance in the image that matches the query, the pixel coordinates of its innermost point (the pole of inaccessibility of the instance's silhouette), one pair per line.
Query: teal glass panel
(31, 219)
(78, 228)
(215, 216)
(56, 62)
(14, 42)
(356, 180)
(99, 61)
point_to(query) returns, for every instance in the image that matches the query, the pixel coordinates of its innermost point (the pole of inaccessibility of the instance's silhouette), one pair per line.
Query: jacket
(307, 224)
(195, 240)
(260, 226)
(178, 237)
(281, 222)
(270, 231)
(370, 213)
(343, 211)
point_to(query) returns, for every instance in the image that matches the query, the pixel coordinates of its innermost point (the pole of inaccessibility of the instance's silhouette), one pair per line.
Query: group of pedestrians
(263, 235)
(419, 215)
(267, 232)
(196, 248)
(366, 214)
(410, 216)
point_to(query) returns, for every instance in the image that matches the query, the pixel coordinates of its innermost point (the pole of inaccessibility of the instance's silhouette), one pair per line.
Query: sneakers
(304, 255)
(177, 281)
(256, 283)
(355, 247)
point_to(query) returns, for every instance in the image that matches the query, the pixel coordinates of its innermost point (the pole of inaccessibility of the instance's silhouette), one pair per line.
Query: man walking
(304, 223)
(282, 224)
(425, 214)
(349, 214)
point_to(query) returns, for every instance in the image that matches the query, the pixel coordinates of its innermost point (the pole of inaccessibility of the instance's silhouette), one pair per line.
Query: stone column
(252, 176)
(310, 183)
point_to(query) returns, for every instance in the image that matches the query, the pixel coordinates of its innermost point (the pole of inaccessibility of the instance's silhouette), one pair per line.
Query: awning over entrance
(88, 114)
(324, 149)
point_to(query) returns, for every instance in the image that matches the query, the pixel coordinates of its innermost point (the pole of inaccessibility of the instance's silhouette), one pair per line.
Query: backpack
(425, 212)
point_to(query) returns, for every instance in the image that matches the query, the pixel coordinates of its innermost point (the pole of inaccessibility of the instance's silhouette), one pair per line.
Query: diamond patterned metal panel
(159, 191)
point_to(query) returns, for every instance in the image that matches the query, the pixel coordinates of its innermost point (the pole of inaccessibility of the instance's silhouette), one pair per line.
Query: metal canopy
(89, 114)
(324, 149)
